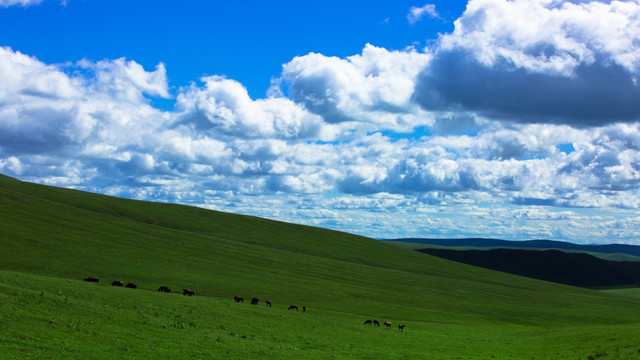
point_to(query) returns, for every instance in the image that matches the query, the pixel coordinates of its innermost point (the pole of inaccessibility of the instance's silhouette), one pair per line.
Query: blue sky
(488, 118)
(245, 40)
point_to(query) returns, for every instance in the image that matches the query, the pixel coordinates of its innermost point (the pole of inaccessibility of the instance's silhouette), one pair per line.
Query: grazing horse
(164, 289)
(237, 298)
(401, 327)
(304, 309)
(268, 302)
(117, 283)
(368, 322)
(92, 279)
(376, 322)
(387, 324)
(131, 286)
(293, 307)
(255, 301)
(188, 292)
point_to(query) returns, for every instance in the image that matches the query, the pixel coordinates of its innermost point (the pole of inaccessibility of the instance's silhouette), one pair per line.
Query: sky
(443, 119)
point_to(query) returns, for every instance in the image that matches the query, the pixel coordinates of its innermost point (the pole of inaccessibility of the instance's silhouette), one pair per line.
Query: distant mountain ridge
(528, 244)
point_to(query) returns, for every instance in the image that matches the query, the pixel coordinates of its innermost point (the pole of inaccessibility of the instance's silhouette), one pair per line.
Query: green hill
(570, 268)
(52, 238)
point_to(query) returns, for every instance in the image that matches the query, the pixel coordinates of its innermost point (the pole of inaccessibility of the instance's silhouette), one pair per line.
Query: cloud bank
(504, 128)
(539, 62)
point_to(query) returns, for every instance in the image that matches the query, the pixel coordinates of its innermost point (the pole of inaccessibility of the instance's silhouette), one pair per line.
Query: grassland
(52, 238)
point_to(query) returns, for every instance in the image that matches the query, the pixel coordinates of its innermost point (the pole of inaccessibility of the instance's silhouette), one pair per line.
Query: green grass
(52, 238)
(52, 318)
(627, 291)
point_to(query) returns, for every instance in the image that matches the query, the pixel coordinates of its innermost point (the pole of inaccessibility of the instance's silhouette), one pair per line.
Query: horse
(293, 307)
(164, 289)
(268, 303)
(117, 283)
(188, 292)
(368, 322)
(304, 309)
(238, 299)
(376, 322)
(387, 324)
(255, 301)
(92, 279)
(401, 327)
(131, 286)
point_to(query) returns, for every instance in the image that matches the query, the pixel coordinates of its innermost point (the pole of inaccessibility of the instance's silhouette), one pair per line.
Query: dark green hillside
(609, 251)
(52, 238)
(577, 269)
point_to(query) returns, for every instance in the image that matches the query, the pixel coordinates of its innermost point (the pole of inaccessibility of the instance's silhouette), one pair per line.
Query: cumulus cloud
(374, 87)
(608, 162)
(539, 61)
(99, 114)
(106, 116)
(35, 100)
(417, 13)
(549, 36)
(127, 80)
(224, 105)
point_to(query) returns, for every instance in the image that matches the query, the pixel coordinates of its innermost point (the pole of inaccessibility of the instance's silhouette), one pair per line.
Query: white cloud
(374, 87)
(224, 106)
(26, 77)
(35, 99)
(547, 37)
(11, 164)
(417, 13)
(7, 3)
(539, 61)
(127, 80)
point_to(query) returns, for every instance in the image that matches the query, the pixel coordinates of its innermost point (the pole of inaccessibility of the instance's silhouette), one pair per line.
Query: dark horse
(92, 279)
(131, 286)
(293, 307)
(368, 322)
(188, 292)
(255, 301)
(401, 327)
(376, 322)
(117, 283)
(268, 302)
(238, 299)
(164, 289)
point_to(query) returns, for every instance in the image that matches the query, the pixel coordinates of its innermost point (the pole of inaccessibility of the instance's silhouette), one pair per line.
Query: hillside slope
(633, 250)
(575, 269)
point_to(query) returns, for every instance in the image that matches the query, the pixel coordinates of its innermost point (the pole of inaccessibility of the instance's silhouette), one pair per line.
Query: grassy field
(52, 238)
